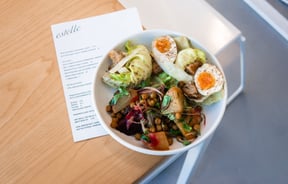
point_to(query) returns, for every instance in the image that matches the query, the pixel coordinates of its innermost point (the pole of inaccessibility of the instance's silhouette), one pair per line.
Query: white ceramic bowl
(103, 93)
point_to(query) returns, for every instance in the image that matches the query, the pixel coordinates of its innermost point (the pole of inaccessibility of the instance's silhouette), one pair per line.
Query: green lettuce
(214, 98)
(182, 42)
(188, 56)
(132, 69)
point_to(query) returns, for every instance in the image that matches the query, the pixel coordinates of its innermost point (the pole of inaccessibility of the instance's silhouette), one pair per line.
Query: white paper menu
(80, 45)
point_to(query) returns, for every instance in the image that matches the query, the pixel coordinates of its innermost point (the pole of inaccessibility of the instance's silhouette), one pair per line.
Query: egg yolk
(206, 80)
(163, 45)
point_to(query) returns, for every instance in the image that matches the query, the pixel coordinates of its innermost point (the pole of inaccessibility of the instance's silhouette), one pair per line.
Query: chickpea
(157, 121)
(114, 123)
(153, 95)
(113, 115)
(108, 108)
(137, 136)
(164, 127)
(144, 96)
(152, 129)
(119, 115)
(151, 102)
(143, 102)
(158, 128)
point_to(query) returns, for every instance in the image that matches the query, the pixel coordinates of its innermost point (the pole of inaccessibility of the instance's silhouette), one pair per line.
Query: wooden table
(36, 144)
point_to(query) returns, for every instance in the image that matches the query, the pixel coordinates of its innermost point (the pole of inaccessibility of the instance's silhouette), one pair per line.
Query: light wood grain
(36, 144)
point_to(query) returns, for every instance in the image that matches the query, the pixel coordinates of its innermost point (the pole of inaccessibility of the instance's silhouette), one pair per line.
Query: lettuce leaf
(188, 56)
(132, 69)
(214, 98)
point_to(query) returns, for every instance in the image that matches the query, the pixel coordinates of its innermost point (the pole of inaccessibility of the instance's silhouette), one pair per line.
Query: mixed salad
(160, 93)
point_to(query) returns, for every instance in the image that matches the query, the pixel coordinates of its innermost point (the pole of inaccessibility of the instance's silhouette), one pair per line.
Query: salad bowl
(102, 94)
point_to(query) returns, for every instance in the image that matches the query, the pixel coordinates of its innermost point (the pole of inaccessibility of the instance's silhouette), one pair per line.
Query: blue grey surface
(251, 144)
(280, 6)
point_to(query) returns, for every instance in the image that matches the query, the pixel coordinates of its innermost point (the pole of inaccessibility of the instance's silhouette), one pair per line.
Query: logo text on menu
(72, 29)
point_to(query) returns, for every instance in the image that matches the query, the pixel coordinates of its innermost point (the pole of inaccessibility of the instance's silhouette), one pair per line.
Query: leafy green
(200, 55)
(171, 116)
(166, 101)
(123, 77)
(182, 42)
(132, 69)
(175, 132)
(145, 138)
(167, 80)
(129, 46)
(187, 127)
(120, 93)
(144, 83)
(215, 97)
(186, 142)
(188, 56)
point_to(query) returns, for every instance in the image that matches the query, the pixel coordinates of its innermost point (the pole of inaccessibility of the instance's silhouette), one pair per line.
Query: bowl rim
(143, 149)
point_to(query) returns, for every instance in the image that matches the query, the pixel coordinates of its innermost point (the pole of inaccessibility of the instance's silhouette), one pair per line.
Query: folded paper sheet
(80, 45)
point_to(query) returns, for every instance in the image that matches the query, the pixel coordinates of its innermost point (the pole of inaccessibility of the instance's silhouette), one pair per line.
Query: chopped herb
(145, 138)
(144, 83)
(167, 80)
(174, 132)
(129, 46)
(166, 101)
(157, 105)
(182, 120)
(171, 116)
(186, 142)
(187, 127)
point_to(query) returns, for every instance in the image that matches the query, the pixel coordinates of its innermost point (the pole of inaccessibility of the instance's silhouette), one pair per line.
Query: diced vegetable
(122, 99)
(186, 132)
(176, 103)
(156, 141)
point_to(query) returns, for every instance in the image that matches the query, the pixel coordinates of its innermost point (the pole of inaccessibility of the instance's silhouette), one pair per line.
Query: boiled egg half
(164, 51)
(208, 79)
